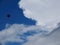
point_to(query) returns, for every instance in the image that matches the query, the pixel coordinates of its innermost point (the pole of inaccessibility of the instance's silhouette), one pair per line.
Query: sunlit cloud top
(45, 12)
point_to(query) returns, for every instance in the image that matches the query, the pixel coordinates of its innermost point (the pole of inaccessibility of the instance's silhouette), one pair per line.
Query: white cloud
(51, 39)
(45, 12)
(37, 35)
(13, 33)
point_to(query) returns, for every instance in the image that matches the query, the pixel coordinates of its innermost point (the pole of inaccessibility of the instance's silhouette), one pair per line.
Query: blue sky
(29, 22)
(16, 14)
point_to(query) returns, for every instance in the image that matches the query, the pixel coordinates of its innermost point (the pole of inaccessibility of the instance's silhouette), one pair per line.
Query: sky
(10, 7)
(29, 22)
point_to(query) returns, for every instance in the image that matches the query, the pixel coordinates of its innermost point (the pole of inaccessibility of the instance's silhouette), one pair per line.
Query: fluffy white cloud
(45, 12)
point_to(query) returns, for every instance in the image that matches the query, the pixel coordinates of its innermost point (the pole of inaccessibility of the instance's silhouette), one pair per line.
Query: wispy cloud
(19, 32)
(30, 35)
(51, 39)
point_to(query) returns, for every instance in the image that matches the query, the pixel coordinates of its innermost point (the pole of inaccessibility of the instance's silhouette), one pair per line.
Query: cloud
(51, 39)
(45, 12)
(19, 33)
(30, 35)
(45, 32)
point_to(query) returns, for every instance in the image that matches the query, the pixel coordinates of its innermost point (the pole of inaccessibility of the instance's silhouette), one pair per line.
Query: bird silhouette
(10, 13)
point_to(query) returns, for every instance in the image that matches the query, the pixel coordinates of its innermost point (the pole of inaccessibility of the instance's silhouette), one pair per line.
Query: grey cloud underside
(52, 38)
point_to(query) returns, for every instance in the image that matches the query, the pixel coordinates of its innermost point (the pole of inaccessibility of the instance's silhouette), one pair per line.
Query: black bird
(8, 15)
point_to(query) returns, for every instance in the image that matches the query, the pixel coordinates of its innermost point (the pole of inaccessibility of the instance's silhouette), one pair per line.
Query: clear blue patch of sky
(10, 7)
